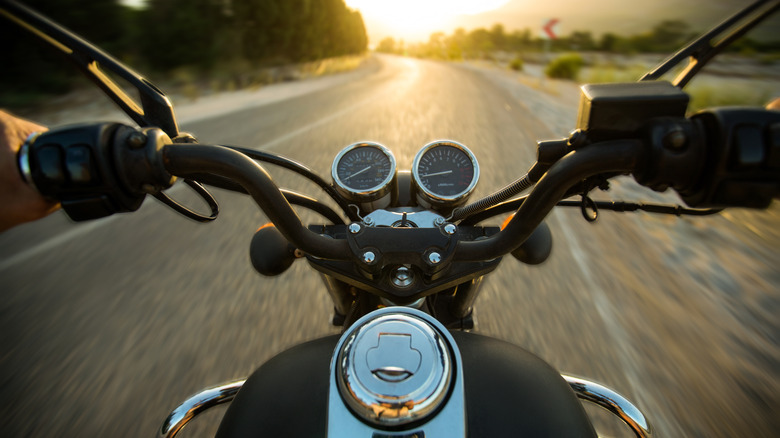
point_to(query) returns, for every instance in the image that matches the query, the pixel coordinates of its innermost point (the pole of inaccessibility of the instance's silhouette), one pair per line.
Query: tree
(184, 33)
(387, 45)
(520, 40)
(669, 34)
(481, 42)
(33, 69)
(580, 40)
(608, 42)
(498, 37)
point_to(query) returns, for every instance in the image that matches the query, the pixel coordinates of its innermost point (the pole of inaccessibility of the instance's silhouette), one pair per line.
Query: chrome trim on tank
(394, 370)
(375, 391)
(24, 160)
(613, 402)
(197, 404)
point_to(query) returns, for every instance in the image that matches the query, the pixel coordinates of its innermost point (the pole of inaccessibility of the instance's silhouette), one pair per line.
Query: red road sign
(550, 29)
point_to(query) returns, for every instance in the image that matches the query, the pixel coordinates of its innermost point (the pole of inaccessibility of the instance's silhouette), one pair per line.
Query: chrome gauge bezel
(375, 193)
(428, 198)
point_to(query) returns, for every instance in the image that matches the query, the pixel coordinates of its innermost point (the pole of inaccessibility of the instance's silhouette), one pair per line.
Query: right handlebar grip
(94, 170)
(722, 157)
(742, 168)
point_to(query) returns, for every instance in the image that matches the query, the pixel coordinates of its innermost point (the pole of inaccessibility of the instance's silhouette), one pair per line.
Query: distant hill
(617, 16)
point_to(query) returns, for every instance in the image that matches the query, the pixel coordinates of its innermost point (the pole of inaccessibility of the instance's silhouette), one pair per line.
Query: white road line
(54, 242)
(377, 97)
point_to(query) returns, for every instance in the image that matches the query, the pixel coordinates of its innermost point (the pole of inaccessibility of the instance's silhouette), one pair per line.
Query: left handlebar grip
(95, 170)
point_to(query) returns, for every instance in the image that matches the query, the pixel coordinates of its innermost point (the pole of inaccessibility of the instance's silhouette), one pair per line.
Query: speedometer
(445, 173)
(365, 173)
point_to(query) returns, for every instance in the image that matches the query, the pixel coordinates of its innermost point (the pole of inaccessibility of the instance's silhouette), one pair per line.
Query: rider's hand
(19, 202)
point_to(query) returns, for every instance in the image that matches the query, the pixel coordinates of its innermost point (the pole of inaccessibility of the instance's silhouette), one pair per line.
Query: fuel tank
(507, 392)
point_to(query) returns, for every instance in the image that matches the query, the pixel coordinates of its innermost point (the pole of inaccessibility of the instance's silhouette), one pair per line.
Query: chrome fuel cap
(394, 370)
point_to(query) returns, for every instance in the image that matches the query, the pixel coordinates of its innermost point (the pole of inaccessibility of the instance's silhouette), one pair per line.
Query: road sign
(550, 29)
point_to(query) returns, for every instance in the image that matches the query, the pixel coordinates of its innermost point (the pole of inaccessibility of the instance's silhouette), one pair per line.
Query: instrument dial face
(363, 168)
(445, 171)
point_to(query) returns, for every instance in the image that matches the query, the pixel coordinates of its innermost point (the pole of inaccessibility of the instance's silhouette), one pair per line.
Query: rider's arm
(19, 202)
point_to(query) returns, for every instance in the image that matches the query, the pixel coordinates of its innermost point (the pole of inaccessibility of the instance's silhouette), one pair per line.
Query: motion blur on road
(107, 325)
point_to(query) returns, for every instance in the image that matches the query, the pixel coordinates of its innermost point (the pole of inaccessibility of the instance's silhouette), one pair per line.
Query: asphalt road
(106, 325)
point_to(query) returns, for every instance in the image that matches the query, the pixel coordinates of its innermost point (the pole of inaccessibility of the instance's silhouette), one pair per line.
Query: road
(107, 325)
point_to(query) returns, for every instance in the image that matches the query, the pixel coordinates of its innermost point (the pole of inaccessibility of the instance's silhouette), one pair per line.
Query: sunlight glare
(415, 18)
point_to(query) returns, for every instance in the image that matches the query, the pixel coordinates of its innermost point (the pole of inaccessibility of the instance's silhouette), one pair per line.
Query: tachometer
(445, 173)
(365, 173)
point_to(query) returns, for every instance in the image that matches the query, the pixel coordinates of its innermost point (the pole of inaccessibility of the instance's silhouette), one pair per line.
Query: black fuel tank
(509, 392)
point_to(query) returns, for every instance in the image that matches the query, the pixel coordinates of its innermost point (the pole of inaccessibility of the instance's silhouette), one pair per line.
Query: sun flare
(416, 19)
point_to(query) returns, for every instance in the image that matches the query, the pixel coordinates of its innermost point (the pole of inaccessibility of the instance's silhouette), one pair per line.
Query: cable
(487, 202)
(300, 169)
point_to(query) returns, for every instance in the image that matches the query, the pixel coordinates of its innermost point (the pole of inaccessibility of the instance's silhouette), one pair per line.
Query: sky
(415, 20)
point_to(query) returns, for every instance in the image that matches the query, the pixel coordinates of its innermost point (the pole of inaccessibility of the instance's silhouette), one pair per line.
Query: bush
(516, 64)
(565, 67)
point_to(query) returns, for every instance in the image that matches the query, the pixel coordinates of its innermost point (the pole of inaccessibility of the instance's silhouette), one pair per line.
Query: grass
(332, 65)
(604, 73)
(191, 84)
(705, 92)
(709, 95)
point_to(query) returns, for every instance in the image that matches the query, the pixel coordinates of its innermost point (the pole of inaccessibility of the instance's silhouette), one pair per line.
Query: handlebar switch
(774, 146)
(675, 153)
(51, 168)
(93, 170)
(80, 164)
(742, 159)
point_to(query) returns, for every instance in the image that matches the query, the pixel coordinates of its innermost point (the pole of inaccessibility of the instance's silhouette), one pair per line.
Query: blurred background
(108, 324)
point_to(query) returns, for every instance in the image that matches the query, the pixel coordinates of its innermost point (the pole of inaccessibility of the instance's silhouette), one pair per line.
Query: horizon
(621, 18)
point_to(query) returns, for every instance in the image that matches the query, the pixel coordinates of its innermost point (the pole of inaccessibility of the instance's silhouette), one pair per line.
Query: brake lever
(154, 110)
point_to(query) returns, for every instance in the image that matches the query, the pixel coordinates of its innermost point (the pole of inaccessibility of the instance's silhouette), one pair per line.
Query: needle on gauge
(436, 174)
(357, 173)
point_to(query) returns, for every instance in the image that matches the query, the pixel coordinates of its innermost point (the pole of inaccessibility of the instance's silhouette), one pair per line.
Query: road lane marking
(55, 241)
(375, 97)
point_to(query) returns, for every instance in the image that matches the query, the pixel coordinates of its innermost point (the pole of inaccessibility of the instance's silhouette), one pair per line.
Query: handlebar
(719, 158)
(616, 156)
(185, 160)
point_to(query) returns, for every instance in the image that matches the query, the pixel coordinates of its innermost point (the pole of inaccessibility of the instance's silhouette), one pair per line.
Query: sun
(416, 19)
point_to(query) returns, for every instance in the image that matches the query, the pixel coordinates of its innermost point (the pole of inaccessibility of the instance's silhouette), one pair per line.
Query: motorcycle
(405, 267)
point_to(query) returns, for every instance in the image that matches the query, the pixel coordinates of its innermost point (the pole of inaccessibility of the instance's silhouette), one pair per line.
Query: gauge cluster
(365, 173)
(444, 174)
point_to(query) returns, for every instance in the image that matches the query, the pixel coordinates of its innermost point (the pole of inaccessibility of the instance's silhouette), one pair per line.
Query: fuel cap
(394, 370)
